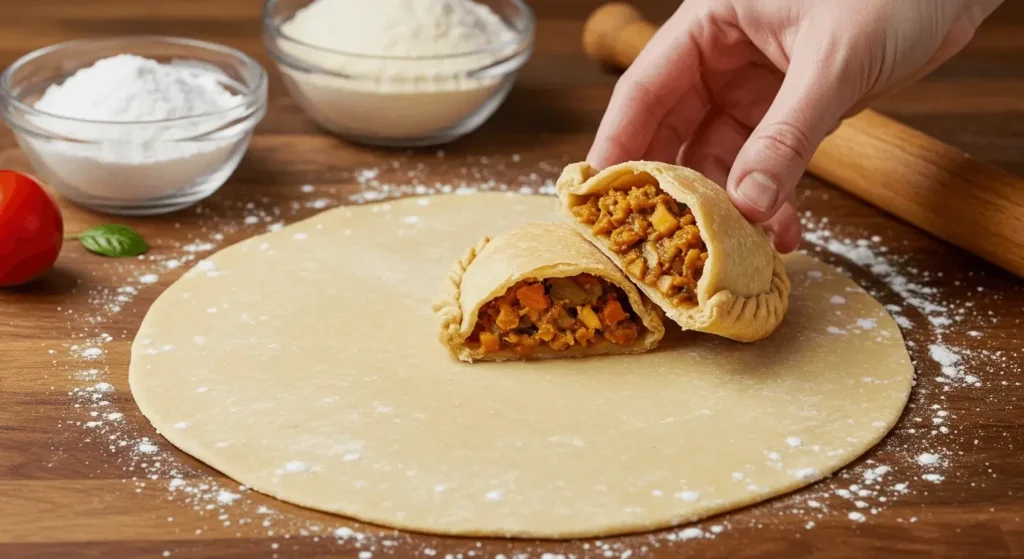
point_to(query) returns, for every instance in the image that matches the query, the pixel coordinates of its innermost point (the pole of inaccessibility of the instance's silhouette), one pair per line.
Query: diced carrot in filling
(557, 313)
(613, 313)
(533, 297)
(656, 237)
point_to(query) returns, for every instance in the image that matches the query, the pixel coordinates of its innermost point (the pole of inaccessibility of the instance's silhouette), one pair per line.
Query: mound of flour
(120, 117)
(399, 28)
(394, 68)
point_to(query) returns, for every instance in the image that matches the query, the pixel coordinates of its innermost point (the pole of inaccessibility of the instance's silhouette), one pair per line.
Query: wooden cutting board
(67, 489)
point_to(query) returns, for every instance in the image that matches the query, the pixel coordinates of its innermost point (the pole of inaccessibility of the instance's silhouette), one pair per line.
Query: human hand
(745, 90)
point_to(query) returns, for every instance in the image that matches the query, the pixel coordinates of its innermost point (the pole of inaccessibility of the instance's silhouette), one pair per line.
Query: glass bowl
(398, 101)
(134, 168)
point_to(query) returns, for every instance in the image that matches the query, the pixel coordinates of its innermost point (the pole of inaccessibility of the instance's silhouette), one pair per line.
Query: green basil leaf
(116, 241)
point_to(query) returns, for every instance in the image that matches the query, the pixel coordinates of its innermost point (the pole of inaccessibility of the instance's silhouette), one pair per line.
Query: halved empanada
(542, 291)
(680, 238)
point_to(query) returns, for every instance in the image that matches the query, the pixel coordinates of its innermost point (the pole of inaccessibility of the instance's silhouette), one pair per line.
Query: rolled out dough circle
(305, 365)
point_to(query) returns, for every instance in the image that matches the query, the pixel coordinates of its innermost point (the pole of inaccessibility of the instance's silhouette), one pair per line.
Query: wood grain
(934, 186)
(64, 493)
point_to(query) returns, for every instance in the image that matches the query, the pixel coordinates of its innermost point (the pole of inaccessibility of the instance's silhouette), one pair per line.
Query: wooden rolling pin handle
(615, 33)
(934, 186)
(904, 172)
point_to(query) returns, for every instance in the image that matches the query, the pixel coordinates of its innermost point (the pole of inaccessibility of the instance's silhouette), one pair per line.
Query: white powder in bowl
(103, 153)
(392, 69)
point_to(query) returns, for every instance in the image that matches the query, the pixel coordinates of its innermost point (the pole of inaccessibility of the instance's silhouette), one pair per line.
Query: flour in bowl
(399, 28)
(114, 129)
(397, 68)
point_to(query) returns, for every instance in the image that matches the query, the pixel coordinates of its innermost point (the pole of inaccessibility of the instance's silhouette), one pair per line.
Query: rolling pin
(902, 171)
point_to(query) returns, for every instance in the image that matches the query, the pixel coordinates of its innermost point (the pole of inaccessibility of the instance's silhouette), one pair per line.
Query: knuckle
(639, 91)
(785, 141)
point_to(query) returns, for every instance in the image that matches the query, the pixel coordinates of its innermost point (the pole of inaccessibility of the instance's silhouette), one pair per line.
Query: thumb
(808, 106)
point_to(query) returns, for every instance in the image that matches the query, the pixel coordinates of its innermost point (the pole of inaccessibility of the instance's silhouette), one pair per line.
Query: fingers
(809, 104)
(664, 145)
(742, 97)
(664, 79)
(713, 147)
(784, 228)
(678, 125)
(717, 141)
(746, 93)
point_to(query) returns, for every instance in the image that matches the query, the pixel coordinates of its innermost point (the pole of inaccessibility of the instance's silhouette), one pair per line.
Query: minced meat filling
(657, 238)
(557, 313)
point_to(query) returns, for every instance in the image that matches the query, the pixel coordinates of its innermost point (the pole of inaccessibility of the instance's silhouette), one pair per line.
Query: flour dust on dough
(315, 346)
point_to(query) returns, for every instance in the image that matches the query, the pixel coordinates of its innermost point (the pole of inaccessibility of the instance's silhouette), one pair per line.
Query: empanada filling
(557, 313)
(656, 236)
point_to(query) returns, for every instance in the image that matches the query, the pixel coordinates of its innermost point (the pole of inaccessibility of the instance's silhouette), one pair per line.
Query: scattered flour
(690, 533)
(296, 466)
(943, 355)
(854, 494)
(806, 473)
(867, 323)
(689, 496)
(225, 497)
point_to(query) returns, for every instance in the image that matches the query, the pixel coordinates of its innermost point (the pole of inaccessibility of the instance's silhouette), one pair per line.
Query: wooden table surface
(68, 489)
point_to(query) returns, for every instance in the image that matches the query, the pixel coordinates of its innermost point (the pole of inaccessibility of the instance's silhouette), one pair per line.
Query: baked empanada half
(542, 291)
(679, 237)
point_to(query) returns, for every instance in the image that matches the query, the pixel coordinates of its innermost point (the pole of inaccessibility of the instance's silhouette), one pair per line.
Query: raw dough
(743, 293)
(534, 251)
(306, 365)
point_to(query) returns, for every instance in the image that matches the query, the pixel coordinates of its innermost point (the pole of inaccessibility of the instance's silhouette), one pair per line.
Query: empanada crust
(535, 251)
(743, 293)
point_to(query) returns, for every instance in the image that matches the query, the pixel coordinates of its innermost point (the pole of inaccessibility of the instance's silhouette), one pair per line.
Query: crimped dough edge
(448, 308)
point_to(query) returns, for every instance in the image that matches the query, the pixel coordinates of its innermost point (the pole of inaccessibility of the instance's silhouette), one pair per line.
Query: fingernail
(758, 190)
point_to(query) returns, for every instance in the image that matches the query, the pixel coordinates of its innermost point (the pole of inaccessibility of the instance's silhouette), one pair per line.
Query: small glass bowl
(398, 101)
(133, 168)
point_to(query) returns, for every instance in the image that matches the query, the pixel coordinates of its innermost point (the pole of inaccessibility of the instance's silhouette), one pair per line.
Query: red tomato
(31, 229)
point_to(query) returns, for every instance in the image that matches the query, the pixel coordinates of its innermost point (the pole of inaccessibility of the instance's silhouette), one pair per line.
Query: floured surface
(305, 365)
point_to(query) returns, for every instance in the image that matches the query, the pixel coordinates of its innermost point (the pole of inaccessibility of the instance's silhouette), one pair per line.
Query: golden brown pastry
(679, 237)
(542, 291)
